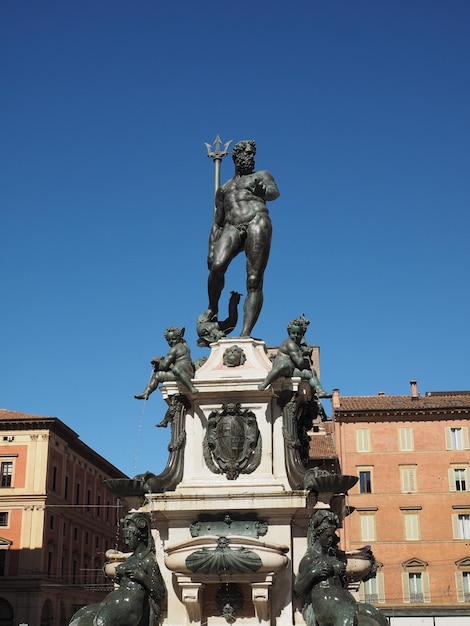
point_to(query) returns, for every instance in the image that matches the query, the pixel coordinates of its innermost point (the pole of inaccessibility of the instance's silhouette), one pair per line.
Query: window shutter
(362, 593)
(465, 437)
(381, 587)
(448, 439)
(362, 440)
(455, 526)
(452, 486)
(459, 586)
(405, 581)
(426, 587)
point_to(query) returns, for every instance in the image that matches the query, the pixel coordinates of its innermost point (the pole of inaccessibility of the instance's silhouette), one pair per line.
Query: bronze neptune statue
(241, 222)
(141, 589)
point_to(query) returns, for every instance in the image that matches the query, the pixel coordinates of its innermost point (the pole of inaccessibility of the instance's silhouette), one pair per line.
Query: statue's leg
(225, 250)
(184, 377)
(257, 246)
(152, 385)
(318, 387)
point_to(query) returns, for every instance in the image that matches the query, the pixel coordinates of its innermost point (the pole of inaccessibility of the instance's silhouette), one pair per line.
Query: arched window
(47, 614)
(6, 613)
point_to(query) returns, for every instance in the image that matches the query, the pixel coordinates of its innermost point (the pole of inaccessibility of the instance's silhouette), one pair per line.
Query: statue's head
(243, 155)
(322, 526)
(296, 330)
(174, 335)
(136, 529)
(234, 356)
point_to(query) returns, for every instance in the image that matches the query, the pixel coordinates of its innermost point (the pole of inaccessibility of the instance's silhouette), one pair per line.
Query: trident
(217, 155)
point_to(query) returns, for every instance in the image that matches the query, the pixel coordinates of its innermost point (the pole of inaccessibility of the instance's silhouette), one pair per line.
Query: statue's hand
(327, 569)
(257, 188)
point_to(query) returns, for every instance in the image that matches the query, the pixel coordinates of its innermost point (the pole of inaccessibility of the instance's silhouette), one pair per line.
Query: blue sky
(360, 109)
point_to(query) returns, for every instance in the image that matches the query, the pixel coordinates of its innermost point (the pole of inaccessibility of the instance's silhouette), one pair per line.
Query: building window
(77, 494)
(365, 484)
(457, 438)
(3, 567)
(411, 526)
(458, 479)
(466, 586)
(75, 533)
(461, 525)
(416, 586)
(408, 479)
(462, 580)
(6, 473)
(51, 523)
(50, 556)
(371, 591)
(66, 488)
(362, 440)
(405, 439)
(367, 527)
(3, 518)
(54, 478)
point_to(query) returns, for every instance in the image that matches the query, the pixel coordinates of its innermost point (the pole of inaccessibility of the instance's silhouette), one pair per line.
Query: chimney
(414, 389)
(335, 400)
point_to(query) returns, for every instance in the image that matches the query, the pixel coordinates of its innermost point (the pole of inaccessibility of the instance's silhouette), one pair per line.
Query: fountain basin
(272, 557)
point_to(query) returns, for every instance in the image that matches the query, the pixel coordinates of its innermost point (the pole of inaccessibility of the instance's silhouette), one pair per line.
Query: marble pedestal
(262, 495)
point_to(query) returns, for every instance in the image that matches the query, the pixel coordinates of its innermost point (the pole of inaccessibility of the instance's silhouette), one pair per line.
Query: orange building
(412, 501)
(56, 521)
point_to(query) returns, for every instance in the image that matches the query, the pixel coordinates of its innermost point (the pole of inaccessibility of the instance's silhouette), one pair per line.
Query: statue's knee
(253, 282)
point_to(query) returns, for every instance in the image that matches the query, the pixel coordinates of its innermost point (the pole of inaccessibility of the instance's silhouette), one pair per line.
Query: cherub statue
(294, 359)
(177, 364)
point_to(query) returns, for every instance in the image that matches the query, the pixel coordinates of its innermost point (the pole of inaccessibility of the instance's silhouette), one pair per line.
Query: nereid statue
(241, 222)
(177, 364)
(294, 359)
(321, 582)
(141, 589)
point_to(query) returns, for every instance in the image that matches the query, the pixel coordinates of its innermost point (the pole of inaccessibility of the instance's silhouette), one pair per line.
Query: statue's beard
(245, 164)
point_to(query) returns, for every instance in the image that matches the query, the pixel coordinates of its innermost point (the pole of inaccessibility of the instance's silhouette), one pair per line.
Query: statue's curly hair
(240, 147)
(298, 321)
(320, 519)
(173, 329)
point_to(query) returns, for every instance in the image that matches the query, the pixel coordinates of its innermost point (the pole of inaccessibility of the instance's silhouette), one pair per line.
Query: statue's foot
(162, 424)
(262, 387)
(324, 394)
(193, 389)
(142, 396)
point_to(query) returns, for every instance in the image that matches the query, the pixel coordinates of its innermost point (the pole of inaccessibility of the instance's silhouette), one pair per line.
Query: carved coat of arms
(232, 444)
